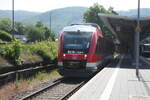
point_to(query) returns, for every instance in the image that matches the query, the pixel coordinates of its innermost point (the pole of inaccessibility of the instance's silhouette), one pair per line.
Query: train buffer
(118, 83)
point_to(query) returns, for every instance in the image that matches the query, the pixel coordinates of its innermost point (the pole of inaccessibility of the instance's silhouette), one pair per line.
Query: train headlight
(64, 55)
(85, 56)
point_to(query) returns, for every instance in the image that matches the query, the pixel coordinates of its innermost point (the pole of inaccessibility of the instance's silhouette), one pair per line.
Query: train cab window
(76, 42)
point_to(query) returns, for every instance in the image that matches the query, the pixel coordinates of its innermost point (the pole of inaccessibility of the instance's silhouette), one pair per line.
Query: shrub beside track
(14, 51)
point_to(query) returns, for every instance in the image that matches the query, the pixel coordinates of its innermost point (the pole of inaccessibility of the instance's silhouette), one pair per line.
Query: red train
(82, 50)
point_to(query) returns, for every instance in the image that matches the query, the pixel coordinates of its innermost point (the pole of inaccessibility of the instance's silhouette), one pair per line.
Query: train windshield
(76, 42)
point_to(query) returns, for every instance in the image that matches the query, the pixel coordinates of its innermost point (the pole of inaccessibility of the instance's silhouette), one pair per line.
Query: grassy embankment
(17, 53)
(46, 50)
(11, 89)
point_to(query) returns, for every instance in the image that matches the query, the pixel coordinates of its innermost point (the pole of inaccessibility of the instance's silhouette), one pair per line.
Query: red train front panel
(76, 50)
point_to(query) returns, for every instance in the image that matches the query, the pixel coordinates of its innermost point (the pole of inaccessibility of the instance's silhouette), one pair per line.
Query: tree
(5, 24)
(46, 32)
(111, 9)
(53, 36)
(39, 24)
(35, 34)
(39, 32)
(4, 36)
(91, 16)
(49, 34)
(20, 28)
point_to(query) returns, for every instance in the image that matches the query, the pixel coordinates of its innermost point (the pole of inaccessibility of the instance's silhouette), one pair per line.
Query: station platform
(118, 82)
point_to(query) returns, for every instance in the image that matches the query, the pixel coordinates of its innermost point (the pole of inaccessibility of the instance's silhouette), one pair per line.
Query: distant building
(19, 36)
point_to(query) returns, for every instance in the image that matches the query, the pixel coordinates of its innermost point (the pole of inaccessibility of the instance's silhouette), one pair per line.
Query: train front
(74, 45)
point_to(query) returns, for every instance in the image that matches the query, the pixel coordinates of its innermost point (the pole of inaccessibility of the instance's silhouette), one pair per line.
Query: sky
(46, 5)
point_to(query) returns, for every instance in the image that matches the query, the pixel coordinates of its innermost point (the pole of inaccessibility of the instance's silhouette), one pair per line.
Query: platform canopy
(124, 28)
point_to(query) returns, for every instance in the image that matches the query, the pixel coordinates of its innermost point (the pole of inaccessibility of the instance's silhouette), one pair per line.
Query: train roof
(80, 27)
(88, 24)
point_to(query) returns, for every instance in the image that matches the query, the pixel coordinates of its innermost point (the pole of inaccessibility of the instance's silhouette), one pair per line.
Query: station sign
(138, 29)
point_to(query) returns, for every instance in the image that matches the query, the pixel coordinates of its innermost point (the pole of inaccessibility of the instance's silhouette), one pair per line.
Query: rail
(72, 86)
(23, 73)
(41, 90)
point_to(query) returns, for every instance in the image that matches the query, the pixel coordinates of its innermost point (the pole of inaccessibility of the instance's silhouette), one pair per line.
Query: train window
(76, 42)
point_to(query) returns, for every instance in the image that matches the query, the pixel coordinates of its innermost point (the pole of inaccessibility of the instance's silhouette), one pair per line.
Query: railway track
(60, 90)
(23, 73)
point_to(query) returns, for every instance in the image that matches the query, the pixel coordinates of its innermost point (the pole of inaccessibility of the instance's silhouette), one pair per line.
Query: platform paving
(118, 83)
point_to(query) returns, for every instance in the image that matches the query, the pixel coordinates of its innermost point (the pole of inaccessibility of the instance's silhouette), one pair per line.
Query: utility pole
(13, 17)
(50, 20)
(137, 36)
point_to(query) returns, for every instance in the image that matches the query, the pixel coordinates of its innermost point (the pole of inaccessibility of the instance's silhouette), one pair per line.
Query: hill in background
(19, 15)
(145, 12)
(61, 17)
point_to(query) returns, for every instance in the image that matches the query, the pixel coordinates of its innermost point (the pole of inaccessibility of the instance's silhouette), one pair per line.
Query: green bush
(12, 52)
(46, 49)
(17, 52)
(4, 36)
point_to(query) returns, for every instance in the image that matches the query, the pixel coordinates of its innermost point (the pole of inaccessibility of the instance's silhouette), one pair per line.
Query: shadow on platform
(129, 63)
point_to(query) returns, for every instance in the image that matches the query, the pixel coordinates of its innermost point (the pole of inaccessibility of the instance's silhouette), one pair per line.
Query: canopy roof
(123, 27)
